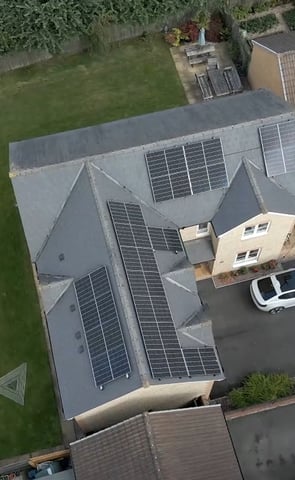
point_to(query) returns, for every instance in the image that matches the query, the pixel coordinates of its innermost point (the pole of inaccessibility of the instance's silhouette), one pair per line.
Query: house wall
(188, 233)
(264, 71)
(153, 397)
(271, 243)
(191, 233)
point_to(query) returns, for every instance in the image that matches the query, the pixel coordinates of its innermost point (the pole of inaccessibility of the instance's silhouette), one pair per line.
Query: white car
(273, 293)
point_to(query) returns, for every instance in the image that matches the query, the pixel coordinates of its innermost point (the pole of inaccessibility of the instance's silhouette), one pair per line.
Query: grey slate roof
(144, 129)
(83, 232)
(186, 444)
(199, 250)
(278, 42)
(250, 194)
(63, 207)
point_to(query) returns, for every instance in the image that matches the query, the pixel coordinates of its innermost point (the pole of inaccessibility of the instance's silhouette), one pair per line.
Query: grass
(289, 18)
(135, 78)
(260, 24)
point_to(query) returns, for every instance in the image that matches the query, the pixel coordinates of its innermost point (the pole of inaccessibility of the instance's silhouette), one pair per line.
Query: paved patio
(187, 73)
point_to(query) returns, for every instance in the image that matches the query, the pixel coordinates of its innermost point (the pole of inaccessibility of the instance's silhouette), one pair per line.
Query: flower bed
(289, 18)
(244, 274)
(260, 24)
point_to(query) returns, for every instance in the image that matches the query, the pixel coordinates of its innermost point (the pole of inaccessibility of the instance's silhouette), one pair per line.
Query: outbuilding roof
(277, 42)
(191, 443)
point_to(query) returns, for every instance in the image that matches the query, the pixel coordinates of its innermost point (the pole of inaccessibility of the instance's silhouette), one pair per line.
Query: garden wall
(16, 60)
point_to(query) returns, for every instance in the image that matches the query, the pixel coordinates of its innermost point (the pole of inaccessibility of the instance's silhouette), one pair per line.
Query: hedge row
(46, 24)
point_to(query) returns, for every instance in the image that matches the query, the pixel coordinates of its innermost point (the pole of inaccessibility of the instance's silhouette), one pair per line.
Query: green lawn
(135, 78)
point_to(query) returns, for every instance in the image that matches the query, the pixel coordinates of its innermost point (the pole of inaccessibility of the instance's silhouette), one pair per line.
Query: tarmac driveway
(247, 339)
(264, 443)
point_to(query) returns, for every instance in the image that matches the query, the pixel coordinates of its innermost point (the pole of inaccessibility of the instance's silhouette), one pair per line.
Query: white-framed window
(255, 230)
(202, 229)
(247, 257)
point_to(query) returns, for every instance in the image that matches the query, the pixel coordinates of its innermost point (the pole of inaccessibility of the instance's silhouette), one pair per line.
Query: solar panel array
(165, 239)
(278, 146)
(187, 170)
(164, 354)
(105, 342)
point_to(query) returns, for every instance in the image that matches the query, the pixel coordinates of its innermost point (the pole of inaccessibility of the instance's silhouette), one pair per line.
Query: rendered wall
(155, 397)
(271, 243)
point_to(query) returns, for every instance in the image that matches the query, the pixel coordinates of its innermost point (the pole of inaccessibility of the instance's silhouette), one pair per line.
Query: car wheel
(273, 311)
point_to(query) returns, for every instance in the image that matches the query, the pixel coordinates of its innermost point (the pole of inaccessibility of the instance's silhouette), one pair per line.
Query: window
(255, 230)
(202, 229)
(251, 256)
(287, 296)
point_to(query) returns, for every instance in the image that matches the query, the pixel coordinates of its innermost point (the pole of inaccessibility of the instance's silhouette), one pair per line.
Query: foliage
(216, 26)
(37, 24)
(240, 12)
(62, 94)
(46, 24)
(259, 387)
(202, 18)
(261, 6)
(260, 24)
(190, 30)
(289, 18)
(175, 36)
(243, 270)
(269, 265)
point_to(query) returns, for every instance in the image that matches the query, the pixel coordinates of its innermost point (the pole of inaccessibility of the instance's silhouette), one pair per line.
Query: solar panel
(287, 132)
(202, 361)
(164, 353)
(105, 342)
(278, 146)
(186, 170)
(165, 239)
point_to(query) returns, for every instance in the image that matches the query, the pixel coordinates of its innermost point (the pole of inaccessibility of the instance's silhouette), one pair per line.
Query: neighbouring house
(192, 443)
(117, 215)
(272, 64)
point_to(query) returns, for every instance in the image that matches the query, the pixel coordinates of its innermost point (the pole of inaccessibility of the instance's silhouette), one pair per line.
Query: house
(272, 64)
(191, 443)
(117, 215)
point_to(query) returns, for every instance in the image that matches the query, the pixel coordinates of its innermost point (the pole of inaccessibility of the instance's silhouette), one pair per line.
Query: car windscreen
(287, 281)
(266, 288)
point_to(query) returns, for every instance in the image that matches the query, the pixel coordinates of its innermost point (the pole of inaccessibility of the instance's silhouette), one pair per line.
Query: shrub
(242, 270)
(190, 31)
(240, 13)
(289, 18)
(260, 24)
(259, 387)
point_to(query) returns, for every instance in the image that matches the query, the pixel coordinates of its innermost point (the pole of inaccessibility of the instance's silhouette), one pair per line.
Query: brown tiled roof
(191, 444)
(288, 75)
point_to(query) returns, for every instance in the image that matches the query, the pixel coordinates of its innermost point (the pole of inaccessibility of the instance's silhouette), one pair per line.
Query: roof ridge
(254, 184)
(40, 251)
(151, 441)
